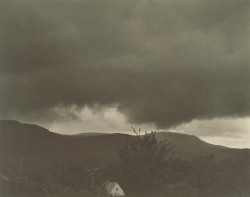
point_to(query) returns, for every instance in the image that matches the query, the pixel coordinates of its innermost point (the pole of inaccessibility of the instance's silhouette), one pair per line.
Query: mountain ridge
(39, 145)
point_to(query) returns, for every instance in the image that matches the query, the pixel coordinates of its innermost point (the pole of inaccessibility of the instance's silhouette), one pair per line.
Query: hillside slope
(34, 144)
(189, 146)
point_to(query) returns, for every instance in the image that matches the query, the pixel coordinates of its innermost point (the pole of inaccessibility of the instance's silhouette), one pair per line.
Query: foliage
(55, 166)
(143, 164)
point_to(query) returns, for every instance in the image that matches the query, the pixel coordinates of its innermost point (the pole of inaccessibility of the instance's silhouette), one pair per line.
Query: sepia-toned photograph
(124, 98)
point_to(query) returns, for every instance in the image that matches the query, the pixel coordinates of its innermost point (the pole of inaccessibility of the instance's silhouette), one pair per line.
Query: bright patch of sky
(232, 132)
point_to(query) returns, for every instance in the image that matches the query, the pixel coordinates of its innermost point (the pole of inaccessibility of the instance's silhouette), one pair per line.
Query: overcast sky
(105, 65)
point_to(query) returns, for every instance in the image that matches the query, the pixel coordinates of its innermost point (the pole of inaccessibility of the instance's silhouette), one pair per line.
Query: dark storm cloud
(161, 62)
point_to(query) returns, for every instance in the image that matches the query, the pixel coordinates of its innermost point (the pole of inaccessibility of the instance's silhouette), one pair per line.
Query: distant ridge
(39, 145)
(89, 134)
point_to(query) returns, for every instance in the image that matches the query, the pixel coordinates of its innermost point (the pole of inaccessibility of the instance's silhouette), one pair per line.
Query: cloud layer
(160, 62)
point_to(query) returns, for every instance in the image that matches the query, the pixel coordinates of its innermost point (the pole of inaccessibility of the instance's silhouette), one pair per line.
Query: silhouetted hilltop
(38, 145)
(34, 144)
(189, 146)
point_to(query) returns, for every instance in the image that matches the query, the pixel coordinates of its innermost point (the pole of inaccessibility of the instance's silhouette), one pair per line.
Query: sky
(106, 65)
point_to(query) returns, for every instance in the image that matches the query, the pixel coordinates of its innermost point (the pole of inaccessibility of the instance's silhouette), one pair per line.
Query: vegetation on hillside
(143, 165)
(146, 169)
(36, 162)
